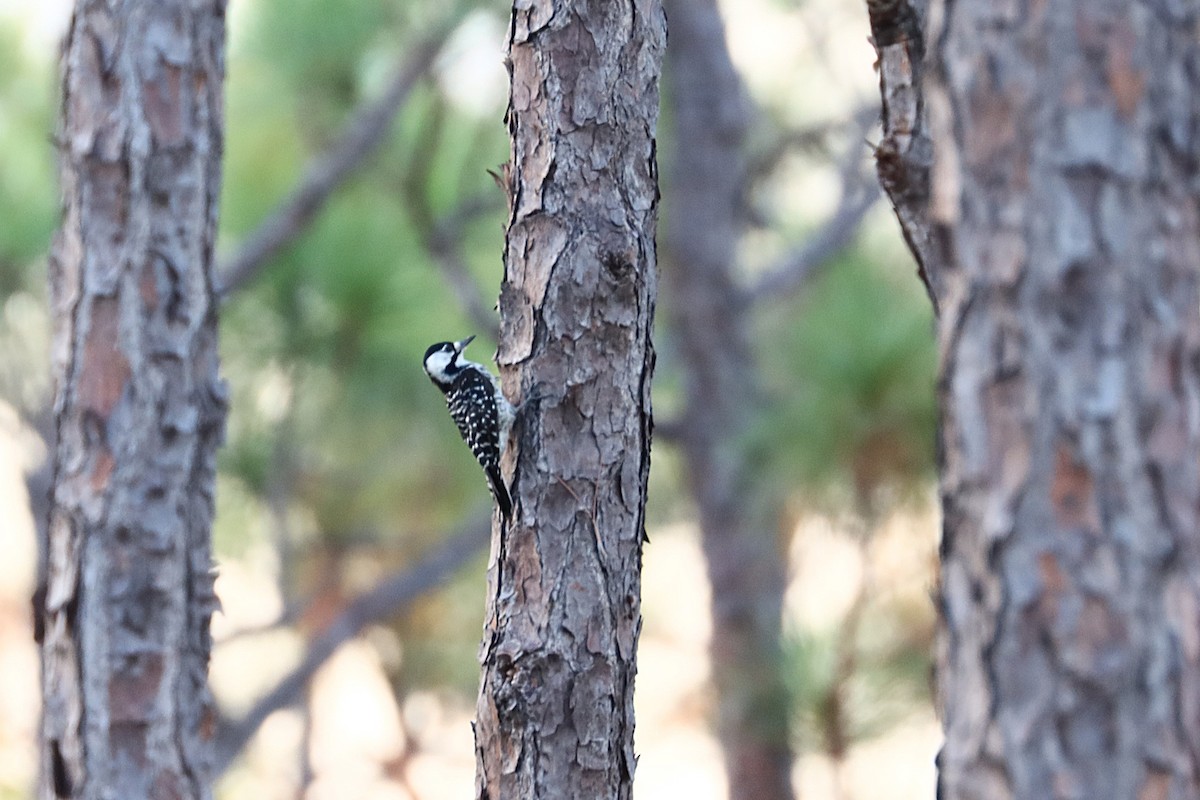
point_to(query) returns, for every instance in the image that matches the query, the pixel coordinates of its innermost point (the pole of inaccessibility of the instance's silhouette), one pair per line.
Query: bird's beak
(460, 346)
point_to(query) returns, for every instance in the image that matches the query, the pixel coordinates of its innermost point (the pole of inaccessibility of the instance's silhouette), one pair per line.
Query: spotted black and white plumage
(479, 409)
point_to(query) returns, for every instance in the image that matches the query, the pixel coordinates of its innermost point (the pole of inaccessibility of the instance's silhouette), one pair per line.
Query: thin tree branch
(859, 194)
(794, 269)
(379, 603)
(361, 137)
(669, 430)
(443, 241)
(442, 236)
(904, 159)
(817, 139)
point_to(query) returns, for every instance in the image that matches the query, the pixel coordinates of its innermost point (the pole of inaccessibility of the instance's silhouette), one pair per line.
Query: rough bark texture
(139, 407)
(1065, 178)
(904, 157)
(555, 714)
(745, 566)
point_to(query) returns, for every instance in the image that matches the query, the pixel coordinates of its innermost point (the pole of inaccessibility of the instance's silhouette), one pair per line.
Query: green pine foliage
(28, 197)
(832, 708)
(850, 414)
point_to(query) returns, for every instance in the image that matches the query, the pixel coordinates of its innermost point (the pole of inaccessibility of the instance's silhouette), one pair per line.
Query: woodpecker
(479, 409)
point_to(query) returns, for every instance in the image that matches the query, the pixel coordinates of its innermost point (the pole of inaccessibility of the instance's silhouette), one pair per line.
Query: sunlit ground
(360, 745)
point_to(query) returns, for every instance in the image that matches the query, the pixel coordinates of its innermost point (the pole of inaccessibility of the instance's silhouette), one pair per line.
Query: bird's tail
(500, 492)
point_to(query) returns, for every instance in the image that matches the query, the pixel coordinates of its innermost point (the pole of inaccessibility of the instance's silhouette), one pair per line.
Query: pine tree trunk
(1065, 182)
(555, 714)
(138, 404)
(745, 566)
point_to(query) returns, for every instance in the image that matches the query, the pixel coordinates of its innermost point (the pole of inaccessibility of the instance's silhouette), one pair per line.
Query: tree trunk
(1065, 179)
(555, 714)
(138, 405)
(745, 565)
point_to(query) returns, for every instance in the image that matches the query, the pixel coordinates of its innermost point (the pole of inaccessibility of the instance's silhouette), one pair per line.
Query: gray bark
(139, 408)
(706, 176)
(555, 713)
(1065, 180)
(904, 157)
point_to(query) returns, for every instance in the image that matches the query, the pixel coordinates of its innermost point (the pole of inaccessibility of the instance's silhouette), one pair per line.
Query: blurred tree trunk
(706, 176)
(1065, 191)
(138, 405)
(555, 714)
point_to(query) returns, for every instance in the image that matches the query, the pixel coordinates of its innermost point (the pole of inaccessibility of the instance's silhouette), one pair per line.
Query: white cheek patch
(436, 364)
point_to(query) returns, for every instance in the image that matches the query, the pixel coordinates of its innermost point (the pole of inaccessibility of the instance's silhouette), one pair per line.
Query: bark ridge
(555, 713)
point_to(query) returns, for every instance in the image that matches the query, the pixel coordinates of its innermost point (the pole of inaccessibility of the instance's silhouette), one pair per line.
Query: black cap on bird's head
(441, 361)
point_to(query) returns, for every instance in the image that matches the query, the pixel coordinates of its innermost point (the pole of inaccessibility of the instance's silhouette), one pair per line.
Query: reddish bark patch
(168, 786)
(996, 129)
(1053, 578)
(148, 286)
(109, 204)
(1099, 627)
(1065, 784)
(1008, 440)
(133, 692)
(208, 723)
(1156, 786)
(1073, 493)
(127, 743)
(104, 370)
(164, 104)
(1127, 82)
(102, 470)
(1055, 584)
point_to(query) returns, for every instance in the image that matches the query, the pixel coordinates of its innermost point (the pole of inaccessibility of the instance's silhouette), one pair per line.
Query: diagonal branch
(859, 195)
(384, 600)
(442, 236)
(794, 269)
(815, 139)
(442, 240)
(361, 137)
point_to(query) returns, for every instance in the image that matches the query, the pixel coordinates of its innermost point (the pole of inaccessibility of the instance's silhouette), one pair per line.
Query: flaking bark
(555, 713)
(1065, 181)
(904, 157)
(138, 405)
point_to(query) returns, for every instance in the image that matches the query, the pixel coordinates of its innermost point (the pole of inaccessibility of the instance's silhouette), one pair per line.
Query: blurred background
(351, 524)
